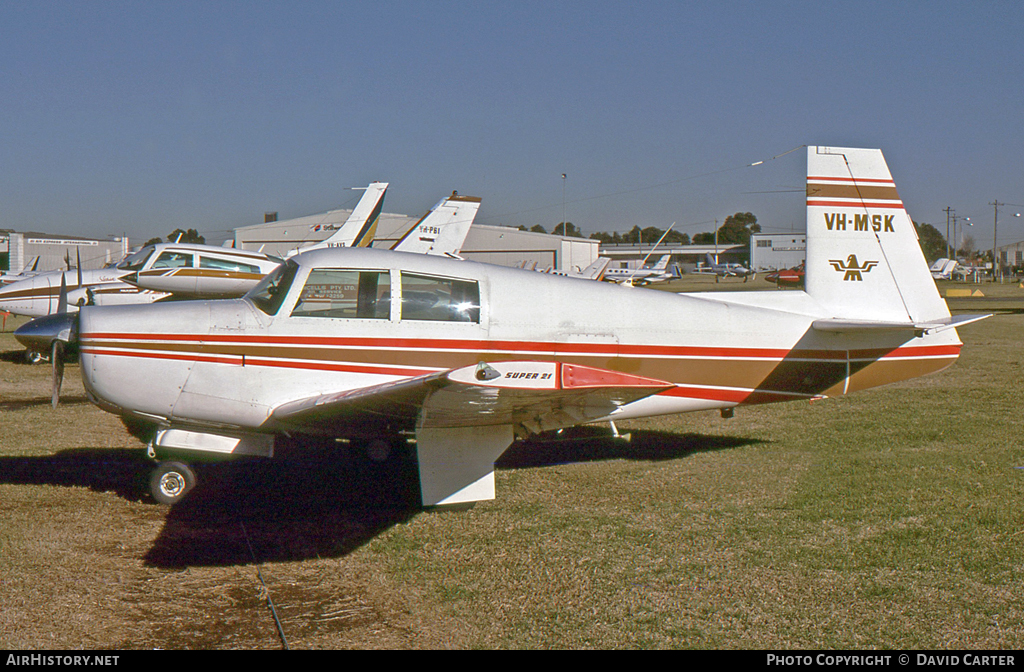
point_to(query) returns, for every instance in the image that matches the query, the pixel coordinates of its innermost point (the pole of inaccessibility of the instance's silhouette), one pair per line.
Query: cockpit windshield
(136, 260)
(271, 290)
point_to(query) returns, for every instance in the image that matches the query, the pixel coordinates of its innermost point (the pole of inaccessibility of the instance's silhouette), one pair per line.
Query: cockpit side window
(136, 260)
(271, 290)
(345, 294)
(173, 259)
(437, 299)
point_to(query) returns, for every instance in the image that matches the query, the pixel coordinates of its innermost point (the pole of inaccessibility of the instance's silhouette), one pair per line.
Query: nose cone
(38, 334)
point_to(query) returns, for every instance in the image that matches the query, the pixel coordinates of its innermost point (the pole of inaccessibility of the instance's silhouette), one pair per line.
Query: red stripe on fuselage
(531, 346)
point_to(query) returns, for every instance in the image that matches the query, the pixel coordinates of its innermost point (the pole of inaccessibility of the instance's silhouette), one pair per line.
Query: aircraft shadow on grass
(313, 503)
(21, 404)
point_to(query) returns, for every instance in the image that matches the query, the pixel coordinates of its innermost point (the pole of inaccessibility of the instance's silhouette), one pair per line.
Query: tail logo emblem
(852, 268)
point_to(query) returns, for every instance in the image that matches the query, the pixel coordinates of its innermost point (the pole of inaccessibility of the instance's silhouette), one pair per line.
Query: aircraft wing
(531, 395)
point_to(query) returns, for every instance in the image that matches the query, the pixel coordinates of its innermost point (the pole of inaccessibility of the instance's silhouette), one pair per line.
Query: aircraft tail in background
(361, 226)
(443, 230)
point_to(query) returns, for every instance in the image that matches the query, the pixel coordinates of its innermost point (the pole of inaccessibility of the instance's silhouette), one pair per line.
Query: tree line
(735, 230)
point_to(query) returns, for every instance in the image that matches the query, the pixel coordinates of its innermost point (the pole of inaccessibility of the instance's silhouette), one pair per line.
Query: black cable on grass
(266, 590)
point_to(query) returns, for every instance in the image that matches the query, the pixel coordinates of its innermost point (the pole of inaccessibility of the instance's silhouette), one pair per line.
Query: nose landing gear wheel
(170, 482)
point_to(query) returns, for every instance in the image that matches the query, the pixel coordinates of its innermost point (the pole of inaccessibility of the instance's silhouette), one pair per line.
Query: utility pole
(995, 227)
(564, 225)
(716, 241)
(948, 210)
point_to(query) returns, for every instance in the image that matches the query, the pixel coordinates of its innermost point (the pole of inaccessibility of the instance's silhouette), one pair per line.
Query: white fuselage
(151, 274)
(228, 364)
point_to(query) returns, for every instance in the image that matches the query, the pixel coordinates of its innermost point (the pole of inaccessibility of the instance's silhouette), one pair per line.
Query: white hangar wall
(504, 246)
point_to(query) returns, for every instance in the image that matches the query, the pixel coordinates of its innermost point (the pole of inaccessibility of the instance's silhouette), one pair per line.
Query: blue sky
(142, 117)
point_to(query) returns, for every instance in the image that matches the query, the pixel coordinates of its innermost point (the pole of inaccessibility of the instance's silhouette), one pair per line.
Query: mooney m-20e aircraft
(467, 356)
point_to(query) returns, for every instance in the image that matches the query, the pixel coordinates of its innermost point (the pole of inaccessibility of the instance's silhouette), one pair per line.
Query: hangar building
(501, 245)
(19, 249)
(1011, 256)
(774, 251)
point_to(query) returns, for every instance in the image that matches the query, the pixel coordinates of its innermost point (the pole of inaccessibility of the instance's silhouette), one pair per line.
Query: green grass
(887, 519)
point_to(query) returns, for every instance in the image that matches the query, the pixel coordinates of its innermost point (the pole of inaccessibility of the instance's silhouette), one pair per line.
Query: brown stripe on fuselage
(865, 192)
(803, 373)
(887, 371)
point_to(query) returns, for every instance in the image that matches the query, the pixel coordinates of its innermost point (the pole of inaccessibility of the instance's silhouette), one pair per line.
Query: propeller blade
(79, 253)
(57, 359)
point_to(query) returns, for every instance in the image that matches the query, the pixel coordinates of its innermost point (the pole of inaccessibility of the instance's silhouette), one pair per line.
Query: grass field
(887, 519)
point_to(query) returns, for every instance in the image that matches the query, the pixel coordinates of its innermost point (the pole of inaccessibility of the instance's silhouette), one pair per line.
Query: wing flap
(534, 395)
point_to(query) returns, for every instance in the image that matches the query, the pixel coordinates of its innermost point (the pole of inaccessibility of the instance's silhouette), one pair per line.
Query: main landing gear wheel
(169, 482)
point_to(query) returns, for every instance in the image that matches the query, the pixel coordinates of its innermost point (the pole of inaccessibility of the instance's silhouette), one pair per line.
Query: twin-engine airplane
(368, 344)
(659, 272)
(727, 270)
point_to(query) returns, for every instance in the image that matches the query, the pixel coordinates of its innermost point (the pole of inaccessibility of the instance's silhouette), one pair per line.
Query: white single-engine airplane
(441, 231)
(184, 270)
(365, 343)
(202, 265)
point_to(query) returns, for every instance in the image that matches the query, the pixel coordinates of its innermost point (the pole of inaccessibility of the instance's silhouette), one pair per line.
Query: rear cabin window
(427, 297)
(228, 265)
(345, 294)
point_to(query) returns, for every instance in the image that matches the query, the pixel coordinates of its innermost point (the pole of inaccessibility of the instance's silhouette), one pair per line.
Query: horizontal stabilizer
(929, 326)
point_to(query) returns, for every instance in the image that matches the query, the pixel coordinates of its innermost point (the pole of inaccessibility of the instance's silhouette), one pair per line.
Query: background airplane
(360, 228)
(943, 268)
(376, 346)
(727, 270)
(660, 272)
(443, 229)
(787, 277)
(190, 267)
(28, 271)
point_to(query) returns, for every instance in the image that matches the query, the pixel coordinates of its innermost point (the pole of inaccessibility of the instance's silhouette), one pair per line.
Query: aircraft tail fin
(361, 226)
(443, 230)
(662, 262)
(595, 271)
(864, 262)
